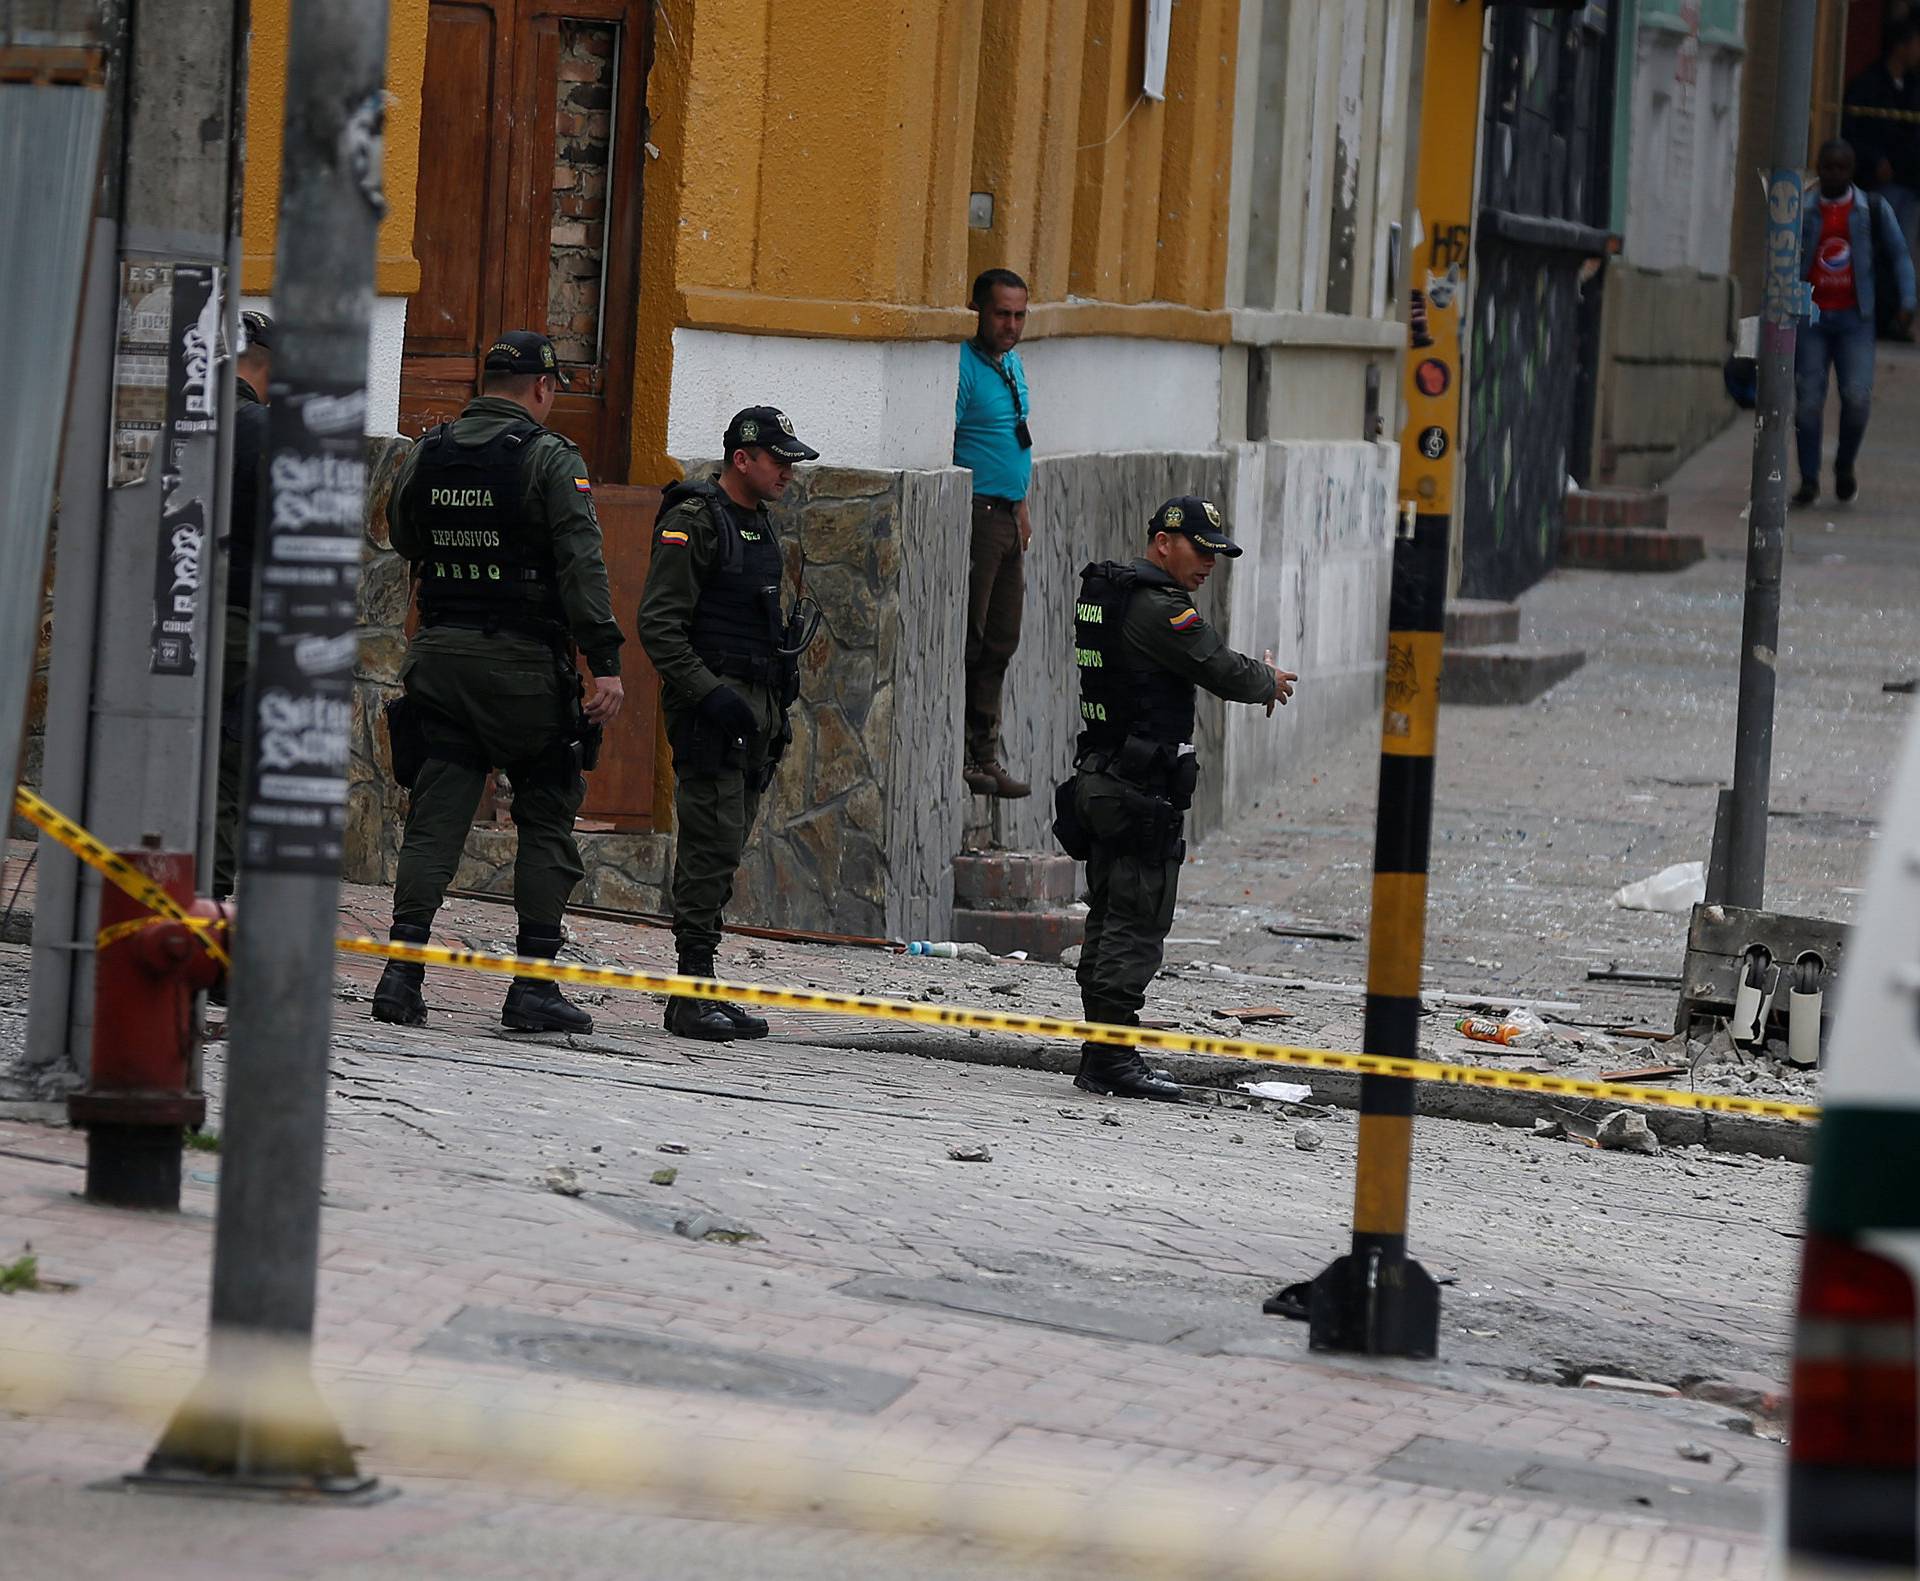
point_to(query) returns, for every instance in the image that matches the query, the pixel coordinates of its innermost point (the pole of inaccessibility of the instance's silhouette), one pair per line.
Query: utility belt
(757, 669)
(489, 623)
(1156, 781)
(993, 502)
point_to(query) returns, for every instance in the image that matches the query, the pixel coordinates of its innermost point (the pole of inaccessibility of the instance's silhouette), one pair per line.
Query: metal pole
(256, 1419)
(1767, 516)
(1377, 1301)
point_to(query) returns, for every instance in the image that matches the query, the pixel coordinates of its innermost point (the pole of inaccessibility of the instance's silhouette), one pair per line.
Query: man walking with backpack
(1851, 251)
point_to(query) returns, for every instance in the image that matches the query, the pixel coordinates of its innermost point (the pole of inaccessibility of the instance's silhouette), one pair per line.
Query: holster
(1074, 836)
(701, 752)
(406, 740)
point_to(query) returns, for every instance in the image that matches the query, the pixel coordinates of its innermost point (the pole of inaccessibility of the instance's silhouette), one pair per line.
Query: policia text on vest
(495, 515)
(711, 621)
(1142, 650)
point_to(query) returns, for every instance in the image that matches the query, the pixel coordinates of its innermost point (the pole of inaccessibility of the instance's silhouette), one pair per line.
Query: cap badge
(749, 431)
(1213, 514)
(786, 424)
(1173, 517)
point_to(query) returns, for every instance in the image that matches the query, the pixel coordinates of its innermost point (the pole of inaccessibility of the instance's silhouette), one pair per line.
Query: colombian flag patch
(1186, 618)
(582, 486)
(673, 535)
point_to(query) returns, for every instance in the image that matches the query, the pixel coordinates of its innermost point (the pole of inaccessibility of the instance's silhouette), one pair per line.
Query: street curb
(1718, 1133)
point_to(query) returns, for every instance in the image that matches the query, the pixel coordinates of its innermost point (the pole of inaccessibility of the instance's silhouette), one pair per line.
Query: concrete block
(1504, 676)
(1481, 622)
(1628, 549)
(1616, 507)
(1014, 880)
(1042, 934)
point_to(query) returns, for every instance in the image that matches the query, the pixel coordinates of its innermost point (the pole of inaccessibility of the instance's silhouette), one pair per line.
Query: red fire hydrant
(138, 1100)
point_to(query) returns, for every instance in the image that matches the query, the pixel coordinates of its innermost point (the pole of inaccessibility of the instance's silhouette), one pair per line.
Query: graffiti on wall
(1525, 362)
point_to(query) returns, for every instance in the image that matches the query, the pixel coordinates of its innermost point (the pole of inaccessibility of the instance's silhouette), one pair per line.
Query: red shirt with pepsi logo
(1833, 288)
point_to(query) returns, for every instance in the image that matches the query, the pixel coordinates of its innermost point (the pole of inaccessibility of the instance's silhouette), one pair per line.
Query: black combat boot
(1122, 1073)
(708, 1019)
(534, 1004)
(397, 998)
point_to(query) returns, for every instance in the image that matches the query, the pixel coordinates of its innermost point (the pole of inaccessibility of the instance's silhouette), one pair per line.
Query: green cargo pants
(506, 701)
(1130, 904)
(715, 801)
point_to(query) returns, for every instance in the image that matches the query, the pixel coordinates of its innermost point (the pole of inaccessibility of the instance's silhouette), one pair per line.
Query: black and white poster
(305, 633)
(188, 445)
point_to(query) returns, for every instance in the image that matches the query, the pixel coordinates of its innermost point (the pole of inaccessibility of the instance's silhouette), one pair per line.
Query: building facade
(708, 205)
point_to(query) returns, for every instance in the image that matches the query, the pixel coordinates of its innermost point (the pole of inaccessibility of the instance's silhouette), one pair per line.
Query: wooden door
(620, 791)
(531, 138)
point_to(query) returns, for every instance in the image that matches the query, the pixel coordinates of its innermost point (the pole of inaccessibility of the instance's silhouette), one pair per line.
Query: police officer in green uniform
(1142, 650)
(711, 622)
(495, 514)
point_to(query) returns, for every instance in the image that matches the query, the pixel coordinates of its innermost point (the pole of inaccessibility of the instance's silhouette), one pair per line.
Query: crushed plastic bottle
(1516, 1031)
(947, 950)
(1673, 889)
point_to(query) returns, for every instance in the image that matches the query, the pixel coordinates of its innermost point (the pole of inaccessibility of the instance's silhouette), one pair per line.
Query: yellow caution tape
(91, 851)
(118, 871)
(1080, 1031)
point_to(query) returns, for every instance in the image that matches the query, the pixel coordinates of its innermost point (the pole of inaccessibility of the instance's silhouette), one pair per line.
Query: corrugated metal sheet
(49, 150)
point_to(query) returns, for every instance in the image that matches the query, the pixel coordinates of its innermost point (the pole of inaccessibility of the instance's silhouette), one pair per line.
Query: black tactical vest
(487, 564)
(737, 624)
(1120, 697)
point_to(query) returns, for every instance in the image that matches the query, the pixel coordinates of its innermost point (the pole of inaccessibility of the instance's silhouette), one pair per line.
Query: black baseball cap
(526, 351)
(258, 327)
(1200, 520)
(769, 428)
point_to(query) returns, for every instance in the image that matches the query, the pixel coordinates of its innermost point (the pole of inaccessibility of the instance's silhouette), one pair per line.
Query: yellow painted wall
(396, 271)
(844, 212)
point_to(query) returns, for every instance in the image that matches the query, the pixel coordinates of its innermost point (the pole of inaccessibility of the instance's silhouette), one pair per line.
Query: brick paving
(1000, 1293)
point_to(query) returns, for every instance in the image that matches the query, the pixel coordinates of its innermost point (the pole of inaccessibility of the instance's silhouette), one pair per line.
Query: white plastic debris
(1678, 888)
(1279, 1091)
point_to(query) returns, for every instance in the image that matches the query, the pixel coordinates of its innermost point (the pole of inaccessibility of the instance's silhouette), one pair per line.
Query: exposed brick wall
(583, 120)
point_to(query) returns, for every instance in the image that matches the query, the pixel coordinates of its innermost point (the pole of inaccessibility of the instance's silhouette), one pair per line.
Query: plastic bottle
(946, 952)
(1484, 1029)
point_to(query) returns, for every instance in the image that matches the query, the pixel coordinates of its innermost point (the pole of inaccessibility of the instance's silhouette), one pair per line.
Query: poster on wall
(139, 370)
(187, 449)
(1159, 29)
(305, 639)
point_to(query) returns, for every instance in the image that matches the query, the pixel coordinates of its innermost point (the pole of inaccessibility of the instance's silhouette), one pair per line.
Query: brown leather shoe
(990, 779)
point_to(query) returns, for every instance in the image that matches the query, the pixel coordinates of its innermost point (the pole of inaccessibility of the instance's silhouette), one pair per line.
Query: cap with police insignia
(259, 329)
(1200, 520)
(770, 429)
(526, 351)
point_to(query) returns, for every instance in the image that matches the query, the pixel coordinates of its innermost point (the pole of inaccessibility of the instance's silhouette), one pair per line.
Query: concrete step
(1042, 934)
(1505, 674)
(1629, 549)
(1616, 507)
(1481, 622)
(1014, 880)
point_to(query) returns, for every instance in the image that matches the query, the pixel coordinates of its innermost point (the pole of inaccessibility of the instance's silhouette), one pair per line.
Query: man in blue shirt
(991, 440)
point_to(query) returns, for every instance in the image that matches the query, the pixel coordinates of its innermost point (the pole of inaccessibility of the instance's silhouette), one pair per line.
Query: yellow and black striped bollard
(1377, 1300)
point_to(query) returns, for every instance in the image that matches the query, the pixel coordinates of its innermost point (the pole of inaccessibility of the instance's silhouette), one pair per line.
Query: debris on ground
(1519, 1029)
(714, 1227)
(1620, 1385)
(673, 1147)
(1689, 1450)
(1109, 1119)
(1644, 1073)
(663, 1177)
(1253, 1013)
(970, 1153)
(1307, 1137)
(1309, 930)
(563, 1180)
(1678, 888)
(1070, 956)
(1278, 1091)
(1627, 1131)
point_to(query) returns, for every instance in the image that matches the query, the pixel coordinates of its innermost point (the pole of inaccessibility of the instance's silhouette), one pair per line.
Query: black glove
(726, 711)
